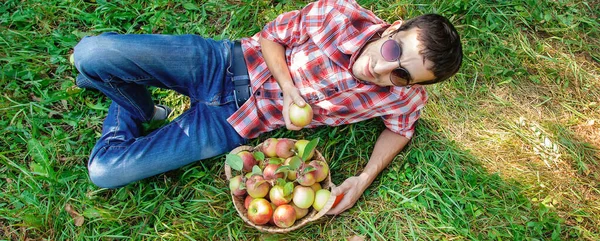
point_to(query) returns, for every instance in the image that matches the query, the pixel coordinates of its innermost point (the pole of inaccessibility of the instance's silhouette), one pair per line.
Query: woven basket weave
(312, 214)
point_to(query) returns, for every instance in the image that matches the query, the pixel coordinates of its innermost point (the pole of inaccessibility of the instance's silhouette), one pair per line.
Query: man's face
(371, 66)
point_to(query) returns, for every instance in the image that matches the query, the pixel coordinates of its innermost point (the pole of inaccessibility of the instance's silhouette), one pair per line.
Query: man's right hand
(275, 59)
(291, 95)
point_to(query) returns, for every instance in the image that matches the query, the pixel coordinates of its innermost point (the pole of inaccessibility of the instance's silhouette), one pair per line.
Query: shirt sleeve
(321, 20)
(404, 124)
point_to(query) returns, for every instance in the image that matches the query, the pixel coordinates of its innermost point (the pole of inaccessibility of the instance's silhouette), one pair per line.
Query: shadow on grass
(435, 190)
(432, 191)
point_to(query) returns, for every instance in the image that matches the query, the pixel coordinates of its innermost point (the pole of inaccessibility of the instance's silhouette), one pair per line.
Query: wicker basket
(312, 214)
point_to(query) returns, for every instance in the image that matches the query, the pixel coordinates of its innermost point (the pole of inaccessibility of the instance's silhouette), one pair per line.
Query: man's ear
(393, 27)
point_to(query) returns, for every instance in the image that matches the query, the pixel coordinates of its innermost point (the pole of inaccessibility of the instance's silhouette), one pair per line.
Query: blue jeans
(121, 66)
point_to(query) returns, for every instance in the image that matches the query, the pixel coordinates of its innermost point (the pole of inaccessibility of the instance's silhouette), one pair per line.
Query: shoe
(161, 115)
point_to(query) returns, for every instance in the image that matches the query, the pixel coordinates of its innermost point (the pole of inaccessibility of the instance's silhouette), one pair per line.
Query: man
(336, 56)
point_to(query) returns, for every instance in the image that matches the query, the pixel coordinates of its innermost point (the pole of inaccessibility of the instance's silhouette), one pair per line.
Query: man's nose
(385, 67)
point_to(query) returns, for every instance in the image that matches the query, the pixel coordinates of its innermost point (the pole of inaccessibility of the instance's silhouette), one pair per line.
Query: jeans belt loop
(241, 79)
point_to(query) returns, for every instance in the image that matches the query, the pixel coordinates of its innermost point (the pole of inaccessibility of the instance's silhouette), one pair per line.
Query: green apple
(301, 116)
(321, 198)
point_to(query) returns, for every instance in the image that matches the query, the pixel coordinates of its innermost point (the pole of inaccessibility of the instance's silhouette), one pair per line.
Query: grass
(506, 150)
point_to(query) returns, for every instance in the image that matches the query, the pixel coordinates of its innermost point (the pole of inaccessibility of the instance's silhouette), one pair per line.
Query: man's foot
(161, 112)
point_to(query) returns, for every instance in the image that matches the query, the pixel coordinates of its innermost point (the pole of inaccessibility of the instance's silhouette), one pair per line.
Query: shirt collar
(374, 37)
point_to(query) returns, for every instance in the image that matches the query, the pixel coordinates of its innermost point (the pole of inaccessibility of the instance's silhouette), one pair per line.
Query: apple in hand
(284, 216)
(321, 170)
(236, 185)
(285, 148)
(300, 212)
(248, 160)
(269, 172)
(269, 147)
(257, 187)
(303, 196)
(278, 197)
(260, 211)
(321, 198)
(300, 116)
(300, 146)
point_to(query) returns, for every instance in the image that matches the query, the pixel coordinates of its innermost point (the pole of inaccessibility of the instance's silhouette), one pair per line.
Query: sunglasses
(391, 51)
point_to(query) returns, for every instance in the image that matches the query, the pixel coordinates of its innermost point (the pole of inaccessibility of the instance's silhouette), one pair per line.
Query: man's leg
(120, 66)
(120, 158)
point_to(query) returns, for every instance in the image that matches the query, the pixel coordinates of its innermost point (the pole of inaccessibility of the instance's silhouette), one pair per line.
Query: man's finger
(335, 192)
(298, 100)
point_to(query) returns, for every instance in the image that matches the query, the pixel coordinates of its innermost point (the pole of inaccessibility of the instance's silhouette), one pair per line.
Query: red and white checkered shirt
(321, 42)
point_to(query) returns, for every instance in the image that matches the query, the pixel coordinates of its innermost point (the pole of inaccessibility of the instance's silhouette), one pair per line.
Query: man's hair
(441, 44)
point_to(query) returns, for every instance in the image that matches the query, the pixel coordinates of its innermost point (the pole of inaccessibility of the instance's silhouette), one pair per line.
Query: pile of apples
(279, 181)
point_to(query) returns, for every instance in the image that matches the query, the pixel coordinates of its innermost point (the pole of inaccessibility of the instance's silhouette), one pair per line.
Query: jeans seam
(118, 124)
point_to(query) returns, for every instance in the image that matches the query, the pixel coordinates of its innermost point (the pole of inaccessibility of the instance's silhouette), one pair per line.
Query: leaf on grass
(234, 161)
(38, 169)
(37, 152)
(190, 6)
(77, 218)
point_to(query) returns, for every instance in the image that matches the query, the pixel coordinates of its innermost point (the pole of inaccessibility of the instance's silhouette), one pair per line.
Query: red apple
(322, 170)
(300, 146)
(278, 197)
(303, 196)
(271, 221)
(300, 212)
(284, 216)
(269, 147)
(236, 185)
(248, 159)
(260, 211)
(285, 148)
(321, 198)
(269, 172)
(257, 187)
(301, 116)
(247, 201)
(306, 178)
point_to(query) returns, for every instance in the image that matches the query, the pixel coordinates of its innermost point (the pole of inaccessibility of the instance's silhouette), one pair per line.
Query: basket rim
(311, 216)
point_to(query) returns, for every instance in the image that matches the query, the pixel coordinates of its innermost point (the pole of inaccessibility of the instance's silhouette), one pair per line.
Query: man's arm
(274, 55)
(388, 145)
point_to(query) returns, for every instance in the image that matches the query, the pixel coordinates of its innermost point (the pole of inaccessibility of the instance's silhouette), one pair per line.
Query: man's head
(423, 50)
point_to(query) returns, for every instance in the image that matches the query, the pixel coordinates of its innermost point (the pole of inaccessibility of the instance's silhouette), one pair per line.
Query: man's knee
(103, 174)
(93, 55)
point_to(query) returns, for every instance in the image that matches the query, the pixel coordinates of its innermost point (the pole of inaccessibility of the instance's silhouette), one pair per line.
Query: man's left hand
(352, 189)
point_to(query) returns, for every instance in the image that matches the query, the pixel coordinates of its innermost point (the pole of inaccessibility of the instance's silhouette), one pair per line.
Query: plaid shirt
(321, 42)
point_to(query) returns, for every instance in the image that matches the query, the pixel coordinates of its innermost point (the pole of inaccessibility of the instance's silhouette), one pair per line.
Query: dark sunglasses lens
(400, 76)
(390, 50)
